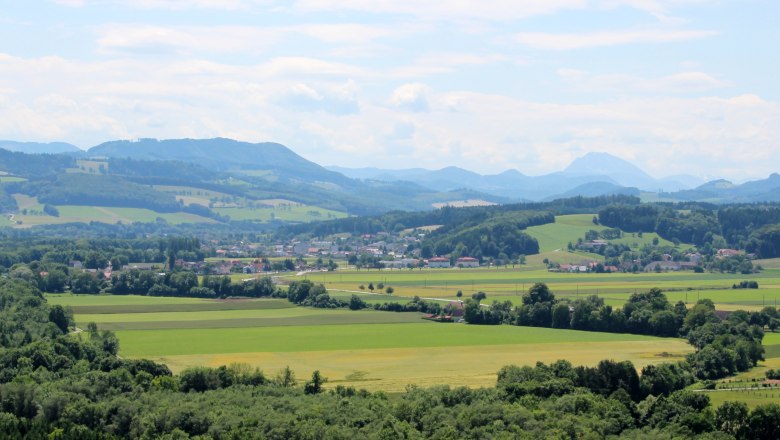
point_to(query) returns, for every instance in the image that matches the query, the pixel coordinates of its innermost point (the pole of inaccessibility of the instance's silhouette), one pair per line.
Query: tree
(389, 290)
(286, 378)
(764, 422)
(314, 386)
(731, 418)
(479, 296)
(59, 317)
(356, 303)
(459, 295)
(561, 316)
(371, 286)
(84, 283)
(539, 292)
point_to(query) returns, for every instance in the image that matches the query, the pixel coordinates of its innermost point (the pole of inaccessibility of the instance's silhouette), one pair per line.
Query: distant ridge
(223, 155)
(39, 147)
(581, 175)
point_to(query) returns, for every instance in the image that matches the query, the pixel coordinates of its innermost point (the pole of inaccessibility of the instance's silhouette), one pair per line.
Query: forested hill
(480, 232)
(753, 228)
(224, 154)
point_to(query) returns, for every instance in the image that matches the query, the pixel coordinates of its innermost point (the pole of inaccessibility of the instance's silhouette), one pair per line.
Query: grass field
(391, 356)
(366, 349)
(747, 387)
(568, 228)
(509, 284)
(31, 214)
(285, 212)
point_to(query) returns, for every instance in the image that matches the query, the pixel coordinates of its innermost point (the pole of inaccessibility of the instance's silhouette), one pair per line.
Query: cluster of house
(584, 266)
(665, 264)
(76, 264)
(441, 262)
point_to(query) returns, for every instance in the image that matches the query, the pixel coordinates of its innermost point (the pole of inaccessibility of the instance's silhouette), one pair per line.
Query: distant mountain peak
(595, 163)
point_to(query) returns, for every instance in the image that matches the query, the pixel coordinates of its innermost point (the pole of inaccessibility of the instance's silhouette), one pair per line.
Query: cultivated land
(366, 349)
(286, 212)
(32, 214)
(387, 351)
(509, 284)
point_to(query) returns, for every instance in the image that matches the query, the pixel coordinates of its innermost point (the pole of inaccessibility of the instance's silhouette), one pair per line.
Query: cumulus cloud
(339, 100)
(413, 97)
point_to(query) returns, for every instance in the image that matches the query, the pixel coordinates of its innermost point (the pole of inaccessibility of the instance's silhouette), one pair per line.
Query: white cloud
(500, 10)
(413, 96)
(550, 41)
(682, 82)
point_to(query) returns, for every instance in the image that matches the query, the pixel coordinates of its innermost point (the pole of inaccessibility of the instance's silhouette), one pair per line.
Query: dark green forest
(749, 227)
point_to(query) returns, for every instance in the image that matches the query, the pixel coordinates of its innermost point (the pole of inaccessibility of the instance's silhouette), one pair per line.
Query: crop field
(31, 213)
(365, 349)
(72, 213)
(509, 284)
(286, 212)
(189, 195)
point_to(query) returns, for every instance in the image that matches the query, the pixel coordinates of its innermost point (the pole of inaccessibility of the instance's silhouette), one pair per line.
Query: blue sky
(675, 86)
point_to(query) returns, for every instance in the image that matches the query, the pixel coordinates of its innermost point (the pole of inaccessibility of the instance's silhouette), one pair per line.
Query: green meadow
(367, 349)
(284, 212)
(509, 284)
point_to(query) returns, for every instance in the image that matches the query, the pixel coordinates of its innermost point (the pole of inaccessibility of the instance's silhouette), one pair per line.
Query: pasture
(365, 349)
(294, 212)
(31, 213)
(509, 284)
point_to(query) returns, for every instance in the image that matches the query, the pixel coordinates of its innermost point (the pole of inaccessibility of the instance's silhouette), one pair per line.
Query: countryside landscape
(389, 220)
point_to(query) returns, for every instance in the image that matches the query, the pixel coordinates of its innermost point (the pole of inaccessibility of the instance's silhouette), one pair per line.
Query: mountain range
(269, 170)
(590, 175)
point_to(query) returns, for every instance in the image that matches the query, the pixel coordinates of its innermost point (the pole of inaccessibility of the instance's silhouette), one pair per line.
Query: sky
(674, 86)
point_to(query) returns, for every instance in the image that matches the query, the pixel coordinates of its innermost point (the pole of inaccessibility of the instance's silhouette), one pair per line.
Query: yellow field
(474, 366)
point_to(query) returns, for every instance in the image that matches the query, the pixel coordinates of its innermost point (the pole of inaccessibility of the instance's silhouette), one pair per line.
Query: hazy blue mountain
(724, 191)
(277, 161)
(39, 147)
(595, 189)
(511, 184)
(621, 171)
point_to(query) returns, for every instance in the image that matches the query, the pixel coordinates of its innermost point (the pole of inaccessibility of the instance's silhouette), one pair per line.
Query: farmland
(509, 284)
(366, 349)
(31, 214)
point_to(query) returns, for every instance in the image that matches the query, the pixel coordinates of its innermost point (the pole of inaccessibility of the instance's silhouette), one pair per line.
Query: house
(694, 257)
(439, 262)
(467, 262)
(663, 266)
(402, 263)
(725, 253)
(76, 264)
(249, 268)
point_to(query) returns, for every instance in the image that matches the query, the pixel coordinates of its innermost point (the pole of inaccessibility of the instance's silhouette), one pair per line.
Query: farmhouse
(402, 263)
(439, 262)
(725, 253)
(467, 262)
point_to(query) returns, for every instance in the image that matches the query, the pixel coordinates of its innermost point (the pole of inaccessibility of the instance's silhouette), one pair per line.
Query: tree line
(723, 346)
